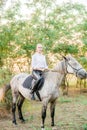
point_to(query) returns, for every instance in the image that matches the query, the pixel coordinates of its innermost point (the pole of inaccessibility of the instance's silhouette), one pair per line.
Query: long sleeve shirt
(38, 61)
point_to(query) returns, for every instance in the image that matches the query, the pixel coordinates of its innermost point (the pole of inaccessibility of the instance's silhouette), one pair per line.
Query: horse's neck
(53, 80)
(61, 72)
(60, 67)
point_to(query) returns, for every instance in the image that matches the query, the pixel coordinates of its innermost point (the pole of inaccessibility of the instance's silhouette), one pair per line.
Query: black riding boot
(32, 91)
(35, 87)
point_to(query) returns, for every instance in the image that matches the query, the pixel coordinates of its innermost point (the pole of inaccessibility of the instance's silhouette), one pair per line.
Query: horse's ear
(64, 57)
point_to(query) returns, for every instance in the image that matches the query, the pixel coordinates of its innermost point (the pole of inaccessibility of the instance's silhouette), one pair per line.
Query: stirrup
(31, 92)
(33, 97)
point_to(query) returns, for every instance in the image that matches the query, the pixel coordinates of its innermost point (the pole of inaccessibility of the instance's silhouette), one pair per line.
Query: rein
(77, 70)
(57, 71)
(54, 71)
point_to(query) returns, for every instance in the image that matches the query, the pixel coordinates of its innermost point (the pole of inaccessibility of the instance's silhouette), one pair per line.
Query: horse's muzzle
(82, 74)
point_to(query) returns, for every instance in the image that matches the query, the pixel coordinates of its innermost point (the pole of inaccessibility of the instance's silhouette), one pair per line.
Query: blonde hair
(38, 45)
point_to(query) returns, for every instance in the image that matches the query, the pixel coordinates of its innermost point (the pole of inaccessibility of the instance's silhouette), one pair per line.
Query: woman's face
(39, 48)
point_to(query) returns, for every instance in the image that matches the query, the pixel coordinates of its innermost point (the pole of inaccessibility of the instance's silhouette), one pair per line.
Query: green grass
(81, 99)
(65, 99)
(84, 127)
(70, 114)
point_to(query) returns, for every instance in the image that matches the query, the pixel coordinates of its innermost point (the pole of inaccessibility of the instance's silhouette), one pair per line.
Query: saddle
(30, 81)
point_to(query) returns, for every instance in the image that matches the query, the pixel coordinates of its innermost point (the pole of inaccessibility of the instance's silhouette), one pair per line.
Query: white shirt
(39, 61)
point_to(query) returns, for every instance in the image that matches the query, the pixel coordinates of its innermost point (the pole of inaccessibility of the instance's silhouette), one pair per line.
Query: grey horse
(50, 90)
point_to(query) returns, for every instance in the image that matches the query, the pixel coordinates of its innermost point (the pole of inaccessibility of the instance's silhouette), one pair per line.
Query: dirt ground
(70, 114)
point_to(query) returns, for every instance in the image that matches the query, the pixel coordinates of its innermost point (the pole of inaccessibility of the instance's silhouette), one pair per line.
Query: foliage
(60, 28)
(65, 48)
(8, 100)
(2, 2)
(5, 76)
(83, 61)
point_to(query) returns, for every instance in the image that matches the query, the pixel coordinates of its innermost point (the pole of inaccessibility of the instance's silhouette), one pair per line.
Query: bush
(5, 76)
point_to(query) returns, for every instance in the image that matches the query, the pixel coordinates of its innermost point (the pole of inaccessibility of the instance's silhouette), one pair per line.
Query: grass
(84, 127)
(65, 99)
(71, 114)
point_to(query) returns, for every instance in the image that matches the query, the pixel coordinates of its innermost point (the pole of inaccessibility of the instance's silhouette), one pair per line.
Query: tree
(56, 27)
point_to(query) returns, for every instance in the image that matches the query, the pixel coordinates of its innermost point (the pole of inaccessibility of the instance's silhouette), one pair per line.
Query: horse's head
(74, 67)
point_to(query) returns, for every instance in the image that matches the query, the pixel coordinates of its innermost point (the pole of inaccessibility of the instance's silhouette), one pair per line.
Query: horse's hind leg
(19, 104)
(52, 112)
(15, 96)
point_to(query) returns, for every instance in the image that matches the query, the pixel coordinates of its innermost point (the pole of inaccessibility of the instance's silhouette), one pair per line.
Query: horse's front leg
(44, 108)
(52, 111)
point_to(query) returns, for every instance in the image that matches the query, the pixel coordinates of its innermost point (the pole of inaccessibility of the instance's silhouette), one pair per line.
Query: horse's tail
(3, 91)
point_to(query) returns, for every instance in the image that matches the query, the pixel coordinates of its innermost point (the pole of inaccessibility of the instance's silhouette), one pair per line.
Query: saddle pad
(28, 82)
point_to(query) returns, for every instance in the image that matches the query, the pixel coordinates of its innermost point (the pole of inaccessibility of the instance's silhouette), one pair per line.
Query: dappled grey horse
(50, 90)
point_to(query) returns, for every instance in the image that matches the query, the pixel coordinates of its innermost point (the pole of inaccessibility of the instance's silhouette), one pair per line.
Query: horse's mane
(58, 65)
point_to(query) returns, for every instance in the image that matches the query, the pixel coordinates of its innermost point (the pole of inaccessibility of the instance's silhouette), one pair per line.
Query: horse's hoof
(14, 122)
(23, 121)
(42, 128)
(54, 128)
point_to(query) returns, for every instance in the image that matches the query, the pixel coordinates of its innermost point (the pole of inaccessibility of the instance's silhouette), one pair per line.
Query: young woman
(38, 65)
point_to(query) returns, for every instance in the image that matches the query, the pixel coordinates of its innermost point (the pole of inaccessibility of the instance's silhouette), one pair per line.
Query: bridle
(76, 70)
(66, 71)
